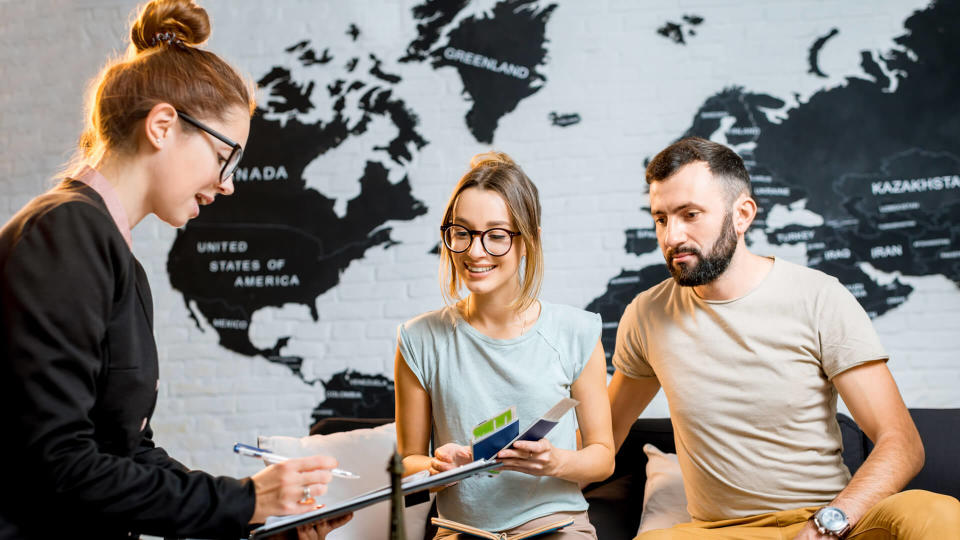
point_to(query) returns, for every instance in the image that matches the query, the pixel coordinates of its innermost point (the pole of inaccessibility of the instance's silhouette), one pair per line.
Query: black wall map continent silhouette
(813, 55)
(675, 31)
(877, 158)
(277, 241)
(497, 56)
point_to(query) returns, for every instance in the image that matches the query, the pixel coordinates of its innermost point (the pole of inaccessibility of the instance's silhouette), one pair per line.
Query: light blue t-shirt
(470, 377)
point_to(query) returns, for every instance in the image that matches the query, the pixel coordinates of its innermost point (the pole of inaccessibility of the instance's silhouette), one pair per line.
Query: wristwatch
(832, 521)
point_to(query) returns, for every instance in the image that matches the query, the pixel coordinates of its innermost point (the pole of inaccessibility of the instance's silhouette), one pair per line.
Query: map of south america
(875, 159)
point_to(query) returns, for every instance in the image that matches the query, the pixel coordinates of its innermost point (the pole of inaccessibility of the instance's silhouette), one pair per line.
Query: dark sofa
(616, 503)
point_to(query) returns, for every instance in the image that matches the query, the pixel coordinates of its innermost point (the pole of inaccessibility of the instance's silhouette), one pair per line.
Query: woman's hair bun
(181, 20)
(491, 159)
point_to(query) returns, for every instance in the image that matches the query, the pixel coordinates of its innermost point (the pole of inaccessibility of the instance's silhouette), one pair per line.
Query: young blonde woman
(497, 347)
(78, 362)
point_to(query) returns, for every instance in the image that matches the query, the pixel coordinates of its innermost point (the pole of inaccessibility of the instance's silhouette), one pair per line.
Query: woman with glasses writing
(500, 347)
(78, 362)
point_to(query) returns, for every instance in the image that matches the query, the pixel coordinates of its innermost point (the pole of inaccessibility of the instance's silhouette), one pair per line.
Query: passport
(500, 432)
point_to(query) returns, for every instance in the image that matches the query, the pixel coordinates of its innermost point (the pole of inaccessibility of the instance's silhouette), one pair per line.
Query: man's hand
(809, 532)
(538, 458)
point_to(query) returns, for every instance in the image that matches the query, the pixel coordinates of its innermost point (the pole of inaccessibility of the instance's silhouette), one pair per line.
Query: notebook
(480, 533)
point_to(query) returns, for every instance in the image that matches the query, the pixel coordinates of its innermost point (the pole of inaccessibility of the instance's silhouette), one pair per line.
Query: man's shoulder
(656, 295)
(803, 279)
(649, 303)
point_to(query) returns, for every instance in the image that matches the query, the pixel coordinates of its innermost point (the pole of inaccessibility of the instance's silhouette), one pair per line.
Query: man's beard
(707, 268)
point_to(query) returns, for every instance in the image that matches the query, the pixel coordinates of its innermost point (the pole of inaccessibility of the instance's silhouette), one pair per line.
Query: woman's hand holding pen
(538, 458)
(289, 487)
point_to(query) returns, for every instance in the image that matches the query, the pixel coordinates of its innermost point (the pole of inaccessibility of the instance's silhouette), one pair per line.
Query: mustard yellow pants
(908, 515)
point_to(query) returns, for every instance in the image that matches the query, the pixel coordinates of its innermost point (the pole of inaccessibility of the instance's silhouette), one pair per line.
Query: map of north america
(277, 242)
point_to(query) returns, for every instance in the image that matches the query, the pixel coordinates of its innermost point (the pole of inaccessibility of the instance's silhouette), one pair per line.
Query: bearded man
(751, 353)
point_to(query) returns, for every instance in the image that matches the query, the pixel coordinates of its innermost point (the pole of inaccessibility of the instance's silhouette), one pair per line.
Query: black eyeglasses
(497, 242)
(236, 152)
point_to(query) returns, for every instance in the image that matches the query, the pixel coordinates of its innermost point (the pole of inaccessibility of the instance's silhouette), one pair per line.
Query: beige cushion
(664, 501)
(365, 452)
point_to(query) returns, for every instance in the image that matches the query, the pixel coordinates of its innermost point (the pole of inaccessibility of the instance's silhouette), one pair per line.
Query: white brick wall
(635, 90)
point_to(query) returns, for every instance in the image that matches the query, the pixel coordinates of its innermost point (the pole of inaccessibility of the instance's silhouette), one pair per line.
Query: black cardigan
(78, 376)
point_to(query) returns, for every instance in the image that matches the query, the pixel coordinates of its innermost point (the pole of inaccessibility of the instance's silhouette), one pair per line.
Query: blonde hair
(163, 64)
(497, 172)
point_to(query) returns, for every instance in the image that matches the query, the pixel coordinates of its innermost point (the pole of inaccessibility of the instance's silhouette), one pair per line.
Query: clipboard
(413, 485)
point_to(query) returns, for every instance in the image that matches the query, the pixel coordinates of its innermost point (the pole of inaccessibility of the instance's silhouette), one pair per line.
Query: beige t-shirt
(748, 385)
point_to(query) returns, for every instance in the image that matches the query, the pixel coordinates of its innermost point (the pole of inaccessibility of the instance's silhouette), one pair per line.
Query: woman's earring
(158, 140)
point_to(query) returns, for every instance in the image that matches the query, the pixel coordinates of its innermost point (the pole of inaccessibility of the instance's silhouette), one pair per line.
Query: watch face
(832, 519)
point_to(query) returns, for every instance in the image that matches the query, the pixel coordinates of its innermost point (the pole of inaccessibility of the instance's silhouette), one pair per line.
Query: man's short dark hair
(725, 165)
